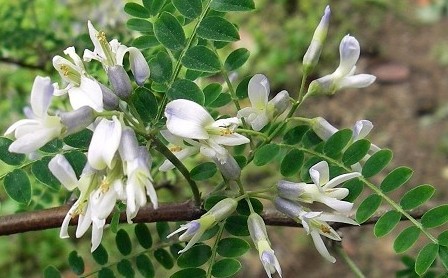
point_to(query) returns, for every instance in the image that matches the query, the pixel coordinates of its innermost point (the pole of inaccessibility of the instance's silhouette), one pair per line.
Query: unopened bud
(77, 120)
(223, 209)
(289, 190)
(229, 168)
(280, 102)
(120, 81)
(129, 148)
(110, 100)
(139, 66)
(287, 207)
(257, 228)
(323, 129)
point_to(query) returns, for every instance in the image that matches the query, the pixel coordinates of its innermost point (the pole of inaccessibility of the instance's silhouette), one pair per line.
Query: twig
(52, 218)
(22, 63)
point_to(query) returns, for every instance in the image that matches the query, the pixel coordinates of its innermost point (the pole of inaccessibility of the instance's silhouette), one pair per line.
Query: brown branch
(52, 218)
(22, 63)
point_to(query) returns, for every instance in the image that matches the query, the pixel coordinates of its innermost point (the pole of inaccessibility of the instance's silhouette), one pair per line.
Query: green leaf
(218, 29)
(295, 134)
(80, 140)
(6, 156)
(225, 268)
(195, 256)
(53, 146)
(189, 273)
(222, 100)
(175, 248)
(237, 225)
(144, 266)
(51, 272)
(368, 207)
(417, 196)
(377, 162)
(310, 139)
(163, 230)
(406, 239)
(144, 103)
(156, 6)
(189, 9)
(232, 5)
(100, 255)
(125, 268)
(212, 201)
(203, 171)
(140, 25)
(387, 223)
(236, 59)
(241, 89)
(443, 255)
(201, 58)
(435, 217)
(164, 258)
(425, 258)
(210, 233)
(123, 242)
(232, 247)
(355, 187)
(169, 32)
(136, 10)
(337, 142)
(396, 178)
(145, 42)
(443, 238)
(76, 263)
(143, 235)
(355, 152)
(211, 93)
(186, 89)
(105, 273)
(266, 154)
(292, 162)
(77, 160)
(115, 221)
(243, 207)
(40, 170)
(18, 186)
(161, 67)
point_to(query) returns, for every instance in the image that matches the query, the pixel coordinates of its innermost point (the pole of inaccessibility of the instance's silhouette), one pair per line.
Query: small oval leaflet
(266, 154)
(377, 162)
(355, 152)
(201, 58)
(406, 239)
(136, 10)
(417, 196)
(368, 207)
(144, 266)
(396, 178)
(195, 256)
(387, 223)
(225, 268)
(232, 247)
(18, 186)
(164, 258)
(189, 272)
(123, 242)
(169, 32)
(435, 217)
(425, 258)
(125, 268)
(292, 162)
(218, 29)
(203, 171)
(186, 89)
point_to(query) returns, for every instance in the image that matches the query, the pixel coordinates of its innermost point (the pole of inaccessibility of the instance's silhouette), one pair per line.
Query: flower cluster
(292, 197)
(117, 168)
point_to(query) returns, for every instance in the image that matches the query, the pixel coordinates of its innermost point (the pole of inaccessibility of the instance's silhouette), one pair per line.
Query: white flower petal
(340, 179)
(328, 217)
(93, 33)
(349, 51)
(104, 144)
(258, 91)
(41, 94)
(338, 205)
(63, 171)
(320, 173)
(357, 81)
(139, 66)
(321, 248)
(234, 139)
(361, 129)
(97, 234)
(188, 119)
(33, 141)
(87, 94)
(322, 128)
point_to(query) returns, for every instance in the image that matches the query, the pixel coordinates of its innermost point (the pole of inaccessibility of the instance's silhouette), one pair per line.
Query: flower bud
(139, 66)
(312, 55)
(77, 120)
(129, 148)
(120, 81)
(229, 168)
(287, 207)
(290, 190)
(322, 128)
(257, 228)
(110, 100)
(223, 209)
(280, 102)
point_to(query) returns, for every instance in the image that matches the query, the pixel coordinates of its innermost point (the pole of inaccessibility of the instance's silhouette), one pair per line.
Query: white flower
(196, 228)
(137, 164)
(262, 110)
(187, 119)
(112, 54)
(104, 144)
(313, 52)
(343, 76)
(33, 133)
(82, 90)
(314, 223)
(257, 231)
(321, 190)
(178, 148)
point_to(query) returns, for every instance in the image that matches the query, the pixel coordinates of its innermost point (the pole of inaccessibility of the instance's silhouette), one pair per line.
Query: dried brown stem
(52, 218)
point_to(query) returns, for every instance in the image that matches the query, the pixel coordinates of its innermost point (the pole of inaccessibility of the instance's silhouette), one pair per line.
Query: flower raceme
(196, 228)
(322, 189)
(262, 110)
(343, 77)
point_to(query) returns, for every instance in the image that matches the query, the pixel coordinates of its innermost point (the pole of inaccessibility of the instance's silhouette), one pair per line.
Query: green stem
(351, 264)
(180, 166)
(376, 190)
(178, 65)
(251, 132)
(214, 250)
